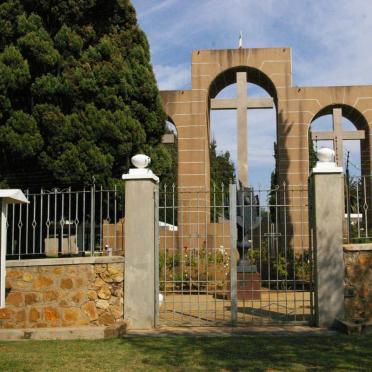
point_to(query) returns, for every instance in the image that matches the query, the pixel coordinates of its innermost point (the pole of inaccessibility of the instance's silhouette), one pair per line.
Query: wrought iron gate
(234, 257)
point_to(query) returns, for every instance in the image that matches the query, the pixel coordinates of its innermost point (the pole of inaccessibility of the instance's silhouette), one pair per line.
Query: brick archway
(296, 108)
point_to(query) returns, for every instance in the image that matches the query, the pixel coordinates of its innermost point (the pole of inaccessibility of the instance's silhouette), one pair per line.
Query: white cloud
(172, 77)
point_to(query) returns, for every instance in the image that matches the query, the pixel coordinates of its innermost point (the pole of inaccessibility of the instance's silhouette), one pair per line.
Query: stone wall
(63, 292)
(358, 282)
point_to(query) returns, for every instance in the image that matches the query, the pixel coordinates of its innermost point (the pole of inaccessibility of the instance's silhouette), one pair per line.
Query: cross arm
(257, 103)
(347, 135)
(322, 135)
(223, 103)
(249, 103)
(354, 135)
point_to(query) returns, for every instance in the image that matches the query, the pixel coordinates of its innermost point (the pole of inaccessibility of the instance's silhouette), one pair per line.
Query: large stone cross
(338, 135)
(241, 103)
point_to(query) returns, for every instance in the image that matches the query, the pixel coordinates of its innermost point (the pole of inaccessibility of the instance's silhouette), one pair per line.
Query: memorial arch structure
(296, 108)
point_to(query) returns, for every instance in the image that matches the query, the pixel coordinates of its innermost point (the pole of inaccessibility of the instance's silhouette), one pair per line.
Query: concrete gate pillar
(140, 284)
(327, 194)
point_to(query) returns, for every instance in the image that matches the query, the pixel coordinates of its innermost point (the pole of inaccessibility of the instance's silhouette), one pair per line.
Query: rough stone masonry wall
(63, 292)
(358, 282)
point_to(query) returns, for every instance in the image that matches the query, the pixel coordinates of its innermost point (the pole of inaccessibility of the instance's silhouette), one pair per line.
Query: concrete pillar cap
(140, 161)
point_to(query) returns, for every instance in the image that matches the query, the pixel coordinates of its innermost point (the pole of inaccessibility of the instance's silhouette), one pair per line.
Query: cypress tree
(78, 96)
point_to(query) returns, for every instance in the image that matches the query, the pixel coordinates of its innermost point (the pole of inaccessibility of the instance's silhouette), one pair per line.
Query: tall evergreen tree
(222, 168)
(222, 174)
(312, 152)
(78, 95)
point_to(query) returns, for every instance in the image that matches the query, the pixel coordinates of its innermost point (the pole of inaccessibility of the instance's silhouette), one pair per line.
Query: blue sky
(331, 44)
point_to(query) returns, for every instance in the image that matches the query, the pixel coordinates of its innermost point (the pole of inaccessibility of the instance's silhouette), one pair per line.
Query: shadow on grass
(272, 315)
(256, 352)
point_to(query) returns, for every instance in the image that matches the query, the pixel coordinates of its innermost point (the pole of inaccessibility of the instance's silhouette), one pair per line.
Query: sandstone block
(365, 259)
(101, 311)
(51, 314)
(20, 315)
(115, 269)
(100, 268)
(90, 277)
(102, 304)
(106, 319)
(82, 322)
(106, 277)
(119, 292)
(92, 295)
(66, 283)
(13, 274)
(77, 297)
(79, 282)
(14, 299)
(71, 270)
(33, 315)
(40, 325)
(99, 282)
(104, 292)
(71, 314)
(20, 284)
(27, 277)
(57, 270)
(114, 300)
(5, 313)
(63, 303)
(42, 281)
(30, 298)
(118, 278)
(50, 296)
(90, 310)
(117, 311)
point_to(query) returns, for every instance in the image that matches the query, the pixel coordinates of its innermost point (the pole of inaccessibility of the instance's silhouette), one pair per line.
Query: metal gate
(234, 256)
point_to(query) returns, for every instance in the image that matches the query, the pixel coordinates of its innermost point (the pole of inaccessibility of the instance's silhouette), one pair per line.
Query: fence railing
(273, 276)
(358, 209)
(67, 222)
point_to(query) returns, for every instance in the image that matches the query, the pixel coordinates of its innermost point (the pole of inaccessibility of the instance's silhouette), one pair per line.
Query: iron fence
(231, 256)
(66, 222)
(358, 211)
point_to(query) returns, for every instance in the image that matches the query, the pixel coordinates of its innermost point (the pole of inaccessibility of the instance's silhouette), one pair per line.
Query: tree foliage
(77, 93)
(312, 152)
(222, 168)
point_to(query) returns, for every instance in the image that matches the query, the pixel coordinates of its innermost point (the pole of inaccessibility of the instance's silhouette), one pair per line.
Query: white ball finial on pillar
(325, 155)
(326, 161)
(141, 162)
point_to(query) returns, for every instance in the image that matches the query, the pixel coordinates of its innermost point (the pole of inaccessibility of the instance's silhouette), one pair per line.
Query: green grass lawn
(267, 353)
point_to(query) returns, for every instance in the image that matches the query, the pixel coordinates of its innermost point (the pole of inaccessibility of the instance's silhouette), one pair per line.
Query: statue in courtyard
(247, 219)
